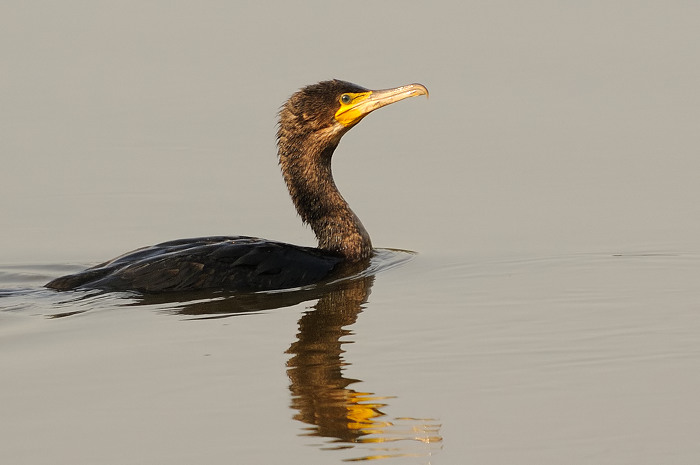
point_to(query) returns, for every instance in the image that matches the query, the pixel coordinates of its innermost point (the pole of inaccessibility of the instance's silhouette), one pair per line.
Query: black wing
(238, 263)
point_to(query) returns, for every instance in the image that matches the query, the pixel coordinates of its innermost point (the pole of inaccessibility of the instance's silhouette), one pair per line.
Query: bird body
(312, 122)
(240, 263)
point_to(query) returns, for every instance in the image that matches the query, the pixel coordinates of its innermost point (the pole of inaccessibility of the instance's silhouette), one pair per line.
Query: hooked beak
(364, 103)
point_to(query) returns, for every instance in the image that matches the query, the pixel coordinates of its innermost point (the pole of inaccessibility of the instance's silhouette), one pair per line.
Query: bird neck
(306, 167)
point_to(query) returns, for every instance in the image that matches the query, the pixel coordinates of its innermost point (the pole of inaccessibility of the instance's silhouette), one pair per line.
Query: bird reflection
(320, 392)
(322, 396)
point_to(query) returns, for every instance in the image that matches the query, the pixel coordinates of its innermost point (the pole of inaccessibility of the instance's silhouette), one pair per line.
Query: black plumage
(312, 122)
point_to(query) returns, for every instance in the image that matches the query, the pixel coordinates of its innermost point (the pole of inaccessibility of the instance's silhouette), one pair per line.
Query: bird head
(330, 108)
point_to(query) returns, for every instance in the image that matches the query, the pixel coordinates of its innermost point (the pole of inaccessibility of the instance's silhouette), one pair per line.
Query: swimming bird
(311, 124)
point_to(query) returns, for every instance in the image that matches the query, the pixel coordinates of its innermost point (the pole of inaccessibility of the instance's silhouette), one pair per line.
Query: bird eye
(345, 99)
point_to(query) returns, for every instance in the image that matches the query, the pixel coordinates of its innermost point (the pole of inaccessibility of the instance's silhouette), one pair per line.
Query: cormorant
(311, 124)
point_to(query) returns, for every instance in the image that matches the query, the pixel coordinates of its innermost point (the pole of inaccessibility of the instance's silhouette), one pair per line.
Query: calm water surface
(529, 359)
(549, 187)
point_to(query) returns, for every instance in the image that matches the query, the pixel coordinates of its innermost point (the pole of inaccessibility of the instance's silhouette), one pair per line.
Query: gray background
(549, 185)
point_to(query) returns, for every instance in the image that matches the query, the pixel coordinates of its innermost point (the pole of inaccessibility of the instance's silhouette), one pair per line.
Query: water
(548, 187)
